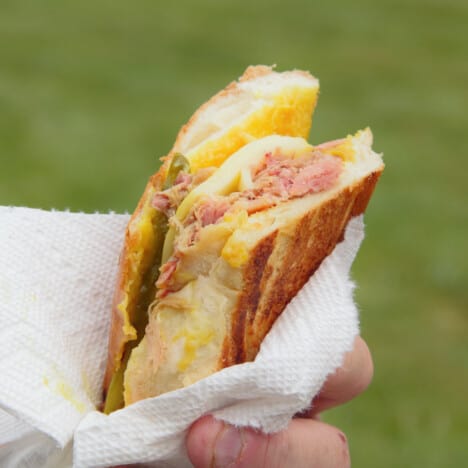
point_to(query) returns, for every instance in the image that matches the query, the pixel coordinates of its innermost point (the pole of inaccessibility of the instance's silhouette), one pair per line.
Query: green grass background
(93, 92)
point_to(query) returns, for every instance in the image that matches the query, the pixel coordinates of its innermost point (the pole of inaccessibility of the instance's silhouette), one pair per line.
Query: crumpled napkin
(57, 274)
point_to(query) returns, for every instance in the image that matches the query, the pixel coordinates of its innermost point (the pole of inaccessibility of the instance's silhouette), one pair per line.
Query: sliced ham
(211, 211)
(317, 177)
(168, 200)
(166, 272)
(162, 202)
(292, 178)
(183, 180)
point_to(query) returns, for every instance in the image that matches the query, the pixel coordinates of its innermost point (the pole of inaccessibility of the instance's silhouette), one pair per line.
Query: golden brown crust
(255, 71)
(117, 336)
(234, 348)
(281, 264)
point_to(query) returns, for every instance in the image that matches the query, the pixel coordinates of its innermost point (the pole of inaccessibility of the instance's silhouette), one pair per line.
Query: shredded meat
(292, 178)
(183, 179)
(162, 202)
(316, 178)
(166, 272)
(209, 212)
(168, 200)
(277, 179)
(202, 174)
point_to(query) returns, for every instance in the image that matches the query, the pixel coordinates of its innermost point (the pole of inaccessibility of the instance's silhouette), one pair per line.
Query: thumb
(306, 442)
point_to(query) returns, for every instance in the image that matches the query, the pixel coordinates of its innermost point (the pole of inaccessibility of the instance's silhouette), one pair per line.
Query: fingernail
(228, 447)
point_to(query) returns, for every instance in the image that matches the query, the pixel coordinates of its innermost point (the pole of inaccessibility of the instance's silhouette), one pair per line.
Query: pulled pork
(277, 179)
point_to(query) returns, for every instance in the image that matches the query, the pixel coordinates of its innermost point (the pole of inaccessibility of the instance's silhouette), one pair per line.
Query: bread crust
(127, 272)
(275, 272)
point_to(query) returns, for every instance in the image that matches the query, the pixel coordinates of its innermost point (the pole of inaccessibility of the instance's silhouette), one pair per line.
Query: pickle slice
(179, 163)
(159, 222)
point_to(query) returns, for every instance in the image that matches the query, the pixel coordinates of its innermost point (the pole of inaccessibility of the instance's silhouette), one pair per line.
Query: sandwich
(223, 239)
(239, 247)
(261, 103)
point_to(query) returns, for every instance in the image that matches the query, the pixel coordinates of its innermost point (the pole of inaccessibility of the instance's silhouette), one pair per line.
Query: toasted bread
(245, 274)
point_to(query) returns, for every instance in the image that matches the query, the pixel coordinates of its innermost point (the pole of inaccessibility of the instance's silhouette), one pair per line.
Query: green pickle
(179, 163)
(115, 398)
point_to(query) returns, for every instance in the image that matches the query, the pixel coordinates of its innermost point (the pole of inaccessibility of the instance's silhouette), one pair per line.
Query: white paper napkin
(57, 274)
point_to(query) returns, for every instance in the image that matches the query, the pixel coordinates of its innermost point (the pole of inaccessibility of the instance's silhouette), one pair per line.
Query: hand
(305, 442)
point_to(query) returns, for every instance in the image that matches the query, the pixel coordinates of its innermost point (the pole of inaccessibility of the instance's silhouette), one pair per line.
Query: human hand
(307, 441)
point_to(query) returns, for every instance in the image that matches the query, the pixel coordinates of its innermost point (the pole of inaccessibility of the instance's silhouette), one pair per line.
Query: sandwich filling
(215, 222)
(277, 178)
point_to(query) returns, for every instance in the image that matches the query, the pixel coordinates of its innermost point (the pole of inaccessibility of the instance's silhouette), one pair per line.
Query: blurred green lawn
(93, 92)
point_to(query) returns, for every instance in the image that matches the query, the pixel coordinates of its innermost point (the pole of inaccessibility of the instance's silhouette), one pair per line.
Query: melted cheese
(229, 177)
(233, 176)
(345, 150)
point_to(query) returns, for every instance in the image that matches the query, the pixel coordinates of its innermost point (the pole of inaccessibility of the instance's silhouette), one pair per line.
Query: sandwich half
(262, 102)
(240, 244)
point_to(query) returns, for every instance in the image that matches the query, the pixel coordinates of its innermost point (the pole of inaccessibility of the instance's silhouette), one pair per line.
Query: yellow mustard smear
(62, 388)
(193, 340)
(140, 253)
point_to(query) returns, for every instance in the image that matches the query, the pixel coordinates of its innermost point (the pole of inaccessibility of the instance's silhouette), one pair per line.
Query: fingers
(351, 379)
(306, 442)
